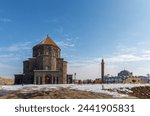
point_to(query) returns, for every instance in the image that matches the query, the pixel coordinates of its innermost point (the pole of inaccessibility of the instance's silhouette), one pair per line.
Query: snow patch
(98, 88)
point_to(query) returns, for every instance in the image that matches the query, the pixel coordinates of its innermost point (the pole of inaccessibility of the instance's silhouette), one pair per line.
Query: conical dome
(48, 41)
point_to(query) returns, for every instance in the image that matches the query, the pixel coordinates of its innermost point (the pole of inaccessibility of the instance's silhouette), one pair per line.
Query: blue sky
(85, 30)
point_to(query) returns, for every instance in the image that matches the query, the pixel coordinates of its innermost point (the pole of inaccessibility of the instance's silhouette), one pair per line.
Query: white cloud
(13, 54)
(4, 66)
(84, 69)
(90, 68)
(123, 58)
(122, 49)
(17, 47)
(67, 42)
(8, 58)
(147, 51)
(11, 58)
(145, 56)
(5, 20)
(135, 59)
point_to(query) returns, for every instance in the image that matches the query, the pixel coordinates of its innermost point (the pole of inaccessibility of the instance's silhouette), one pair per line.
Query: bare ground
(6, 81)
(142, 92)
(63, 93)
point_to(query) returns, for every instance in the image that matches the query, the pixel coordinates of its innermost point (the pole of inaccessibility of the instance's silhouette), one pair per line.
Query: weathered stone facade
(46, 66)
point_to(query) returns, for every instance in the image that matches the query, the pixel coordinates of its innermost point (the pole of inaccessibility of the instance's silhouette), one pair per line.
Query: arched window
(54, 80)
(57, 80)
(47, 53)
(41, 80)
(48, 79)
(46, 67)
(37, 80)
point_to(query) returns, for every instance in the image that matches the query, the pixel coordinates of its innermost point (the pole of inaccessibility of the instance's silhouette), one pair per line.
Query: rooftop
(48, 41)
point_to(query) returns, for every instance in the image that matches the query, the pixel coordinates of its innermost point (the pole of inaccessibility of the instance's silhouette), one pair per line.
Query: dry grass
(6, 81)
(142, 92)
(63, 93)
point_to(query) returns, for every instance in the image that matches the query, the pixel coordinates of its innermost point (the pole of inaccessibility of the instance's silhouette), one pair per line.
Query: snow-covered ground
(102, 88)
(98, 88)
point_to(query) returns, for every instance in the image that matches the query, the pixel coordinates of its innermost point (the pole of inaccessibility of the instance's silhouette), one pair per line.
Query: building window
(54, 54)
(46, 68)
(47, 53)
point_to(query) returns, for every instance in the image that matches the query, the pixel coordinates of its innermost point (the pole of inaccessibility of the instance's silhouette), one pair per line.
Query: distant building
(123, 76)
(97, 81)
(45, 67)
(126, 77)
(144, 79)
(133, 80)
(69, 79)
(125, 73)
(88, 81)
(19, 79)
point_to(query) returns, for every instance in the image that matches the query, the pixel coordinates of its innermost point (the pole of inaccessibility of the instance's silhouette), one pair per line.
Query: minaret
(102, 70)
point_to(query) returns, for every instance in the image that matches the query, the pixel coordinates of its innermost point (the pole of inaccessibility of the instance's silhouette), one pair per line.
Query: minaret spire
(102, 70)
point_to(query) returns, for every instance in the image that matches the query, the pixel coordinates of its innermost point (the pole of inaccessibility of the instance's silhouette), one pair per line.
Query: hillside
(6, 81)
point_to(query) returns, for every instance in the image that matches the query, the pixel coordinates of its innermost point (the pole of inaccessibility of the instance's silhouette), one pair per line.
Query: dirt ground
(139, 92)
(66, 93)
(63, 93)
(6, 81)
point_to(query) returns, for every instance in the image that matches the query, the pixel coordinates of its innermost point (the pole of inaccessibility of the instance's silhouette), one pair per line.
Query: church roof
(48, 41)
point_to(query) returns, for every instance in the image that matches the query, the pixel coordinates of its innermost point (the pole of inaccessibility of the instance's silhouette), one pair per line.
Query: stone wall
(46, 77)
(45, 64)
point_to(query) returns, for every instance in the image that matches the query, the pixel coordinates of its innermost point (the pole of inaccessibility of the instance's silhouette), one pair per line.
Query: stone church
(45, 67)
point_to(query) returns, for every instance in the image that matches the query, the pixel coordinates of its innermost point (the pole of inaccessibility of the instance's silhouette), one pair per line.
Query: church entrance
(48, 79)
